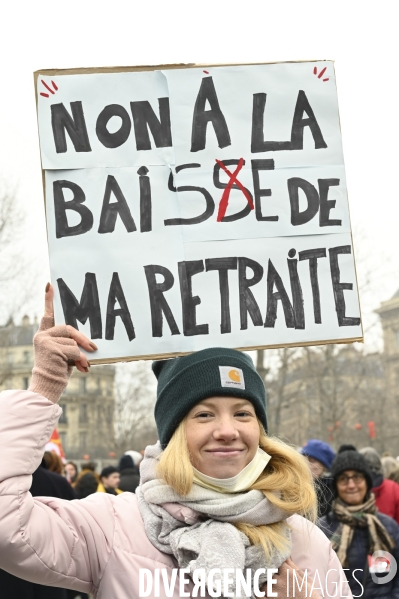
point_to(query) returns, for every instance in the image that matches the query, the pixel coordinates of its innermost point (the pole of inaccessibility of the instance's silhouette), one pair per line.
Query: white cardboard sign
(198, 207)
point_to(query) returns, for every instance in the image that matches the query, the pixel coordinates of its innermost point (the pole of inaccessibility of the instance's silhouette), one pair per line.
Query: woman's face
(70, 470)
(222, 435)
(352, 487)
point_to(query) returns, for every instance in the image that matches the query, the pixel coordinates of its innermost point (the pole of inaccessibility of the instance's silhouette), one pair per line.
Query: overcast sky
(361, 40)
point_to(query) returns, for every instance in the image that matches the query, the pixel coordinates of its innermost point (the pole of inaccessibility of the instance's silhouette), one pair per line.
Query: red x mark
(226, 193)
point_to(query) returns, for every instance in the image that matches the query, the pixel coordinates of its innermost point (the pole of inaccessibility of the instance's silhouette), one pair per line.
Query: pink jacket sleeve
(45, 540)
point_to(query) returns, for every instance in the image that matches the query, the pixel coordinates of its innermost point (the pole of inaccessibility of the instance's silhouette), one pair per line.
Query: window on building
(99, 413)
(63, 418)
(26, 382)
(83, 416)
(109, 413)
(83, 440)
(83, 385)
(397, 338)
(26, 357)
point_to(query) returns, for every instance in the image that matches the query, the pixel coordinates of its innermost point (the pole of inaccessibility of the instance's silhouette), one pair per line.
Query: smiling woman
(358, 530)
(222, 436)
(217, 494)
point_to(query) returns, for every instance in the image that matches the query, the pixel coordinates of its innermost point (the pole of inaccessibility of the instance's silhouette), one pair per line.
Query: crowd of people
(357, 500)
(215, 493)
(111, 479)
(56, 477)
(358, 509)
(357, 506)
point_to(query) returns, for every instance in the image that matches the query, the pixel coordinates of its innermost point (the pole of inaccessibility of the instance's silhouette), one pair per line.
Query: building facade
(86, 426)
(389, 316)
(339, 393)
(327, 393)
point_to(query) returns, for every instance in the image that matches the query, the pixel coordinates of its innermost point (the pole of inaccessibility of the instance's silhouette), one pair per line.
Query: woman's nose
(225, 429)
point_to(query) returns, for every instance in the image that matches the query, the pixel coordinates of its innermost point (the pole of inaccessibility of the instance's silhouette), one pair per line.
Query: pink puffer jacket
(96, 545)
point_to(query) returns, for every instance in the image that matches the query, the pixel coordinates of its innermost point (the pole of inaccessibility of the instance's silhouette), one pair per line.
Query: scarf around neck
(198, 529)
(241, 482)
(359, 516)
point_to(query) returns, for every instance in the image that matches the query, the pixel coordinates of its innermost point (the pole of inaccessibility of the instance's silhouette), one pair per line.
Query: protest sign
(190, 207)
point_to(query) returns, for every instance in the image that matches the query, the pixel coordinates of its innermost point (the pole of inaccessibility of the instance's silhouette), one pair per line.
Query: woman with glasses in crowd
(357, 531)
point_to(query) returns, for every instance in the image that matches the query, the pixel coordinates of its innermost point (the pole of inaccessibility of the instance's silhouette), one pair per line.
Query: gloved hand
(55, 348)
(285, 582)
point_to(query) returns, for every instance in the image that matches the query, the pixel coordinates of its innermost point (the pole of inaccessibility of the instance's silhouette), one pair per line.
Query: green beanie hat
(183, 382)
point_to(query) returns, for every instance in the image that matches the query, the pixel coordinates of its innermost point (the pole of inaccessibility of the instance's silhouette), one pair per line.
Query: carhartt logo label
(231, 377)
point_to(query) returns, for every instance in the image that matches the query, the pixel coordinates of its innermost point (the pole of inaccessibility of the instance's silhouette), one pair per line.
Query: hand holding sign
(55, 348)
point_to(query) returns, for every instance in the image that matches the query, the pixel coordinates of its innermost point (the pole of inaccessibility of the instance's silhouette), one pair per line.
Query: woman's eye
(203, 415)
(241, 414)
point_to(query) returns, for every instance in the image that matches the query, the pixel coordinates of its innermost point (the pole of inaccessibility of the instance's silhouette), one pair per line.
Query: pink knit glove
(285, 582)
(56, 347)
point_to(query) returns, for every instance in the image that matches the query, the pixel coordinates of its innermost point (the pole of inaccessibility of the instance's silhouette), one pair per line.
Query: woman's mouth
(225, 452)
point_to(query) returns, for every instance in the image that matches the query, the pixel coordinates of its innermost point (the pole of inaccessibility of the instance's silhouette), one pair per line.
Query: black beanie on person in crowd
(346, 447)
(350, 460)
(126, 461)
(216, 371)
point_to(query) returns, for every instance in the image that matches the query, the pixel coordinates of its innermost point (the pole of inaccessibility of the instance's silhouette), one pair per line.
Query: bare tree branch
(135, 395)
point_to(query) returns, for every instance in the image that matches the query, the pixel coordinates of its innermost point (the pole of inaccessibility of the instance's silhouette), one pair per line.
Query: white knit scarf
(198, 530)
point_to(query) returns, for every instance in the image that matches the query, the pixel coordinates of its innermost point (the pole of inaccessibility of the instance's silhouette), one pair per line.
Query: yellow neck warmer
(241, 482)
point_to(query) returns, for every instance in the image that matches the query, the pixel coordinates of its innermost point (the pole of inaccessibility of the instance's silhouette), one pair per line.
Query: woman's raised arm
(47, 540)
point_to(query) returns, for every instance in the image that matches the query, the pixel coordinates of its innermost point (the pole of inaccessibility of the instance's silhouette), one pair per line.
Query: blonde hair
(286, 482)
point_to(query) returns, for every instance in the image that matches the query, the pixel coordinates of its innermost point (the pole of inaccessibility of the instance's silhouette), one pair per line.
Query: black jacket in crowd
(357, 558)
(130, 478)
(51, 484)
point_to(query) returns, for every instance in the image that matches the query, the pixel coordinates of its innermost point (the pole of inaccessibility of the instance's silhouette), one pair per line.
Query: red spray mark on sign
(48, 87)
(322, 72)
(52, 91)
(226, 193)
(320, 75)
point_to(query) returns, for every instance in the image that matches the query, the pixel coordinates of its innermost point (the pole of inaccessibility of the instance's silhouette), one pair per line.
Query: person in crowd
(320, 457)
(129, 474)
(136, 456)
(357, 529)
(87, 481)
(54, 462)
(216, 491)
(386, 492)
(109, 481)
(390, 468)
(49, 484)
(71, 471)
